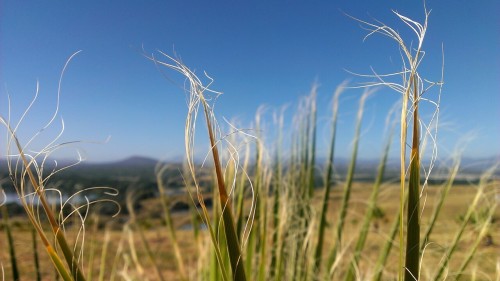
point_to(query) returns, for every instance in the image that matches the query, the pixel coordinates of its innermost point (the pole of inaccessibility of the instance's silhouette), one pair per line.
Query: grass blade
(350, 176)
(328, 180)
(36, 260)
(371, 209)
(160, 170)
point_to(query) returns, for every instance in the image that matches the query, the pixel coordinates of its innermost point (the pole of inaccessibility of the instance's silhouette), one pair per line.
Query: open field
(484, 265)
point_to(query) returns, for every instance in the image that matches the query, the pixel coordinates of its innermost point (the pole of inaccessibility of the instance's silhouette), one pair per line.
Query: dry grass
(455, 206)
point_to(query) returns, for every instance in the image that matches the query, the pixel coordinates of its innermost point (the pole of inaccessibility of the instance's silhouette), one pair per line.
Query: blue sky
(258, 52)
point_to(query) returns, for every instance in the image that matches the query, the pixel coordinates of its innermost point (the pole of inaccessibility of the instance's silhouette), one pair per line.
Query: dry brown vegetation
(455, 206)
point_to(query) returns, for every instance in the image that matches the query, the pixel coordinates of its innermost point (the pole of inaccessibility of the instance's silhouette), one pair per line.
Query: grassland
(454, 209)
(263, 208)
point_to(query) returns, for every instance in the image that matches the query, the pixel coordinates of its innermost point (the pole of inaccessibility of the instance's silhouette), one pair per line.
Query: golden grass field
(484, 265)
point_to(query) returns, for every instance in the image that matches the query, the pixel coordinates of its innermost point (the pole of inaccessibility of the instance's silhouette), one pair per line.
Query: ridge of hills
(143, 168)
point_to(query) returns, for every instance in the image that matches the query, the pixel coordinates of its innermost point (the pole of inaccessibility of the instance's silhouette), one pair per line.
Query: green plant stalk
(58, 264)
(221, 235)
(348, 184)
(370, 210)
(328, 182)
(217, 258)
(263, 245)
(38, 272)
(133, 252)
(169, 223)
(61, 239)
(312, 163)
(307, 142)
(304, 142)
(458, 235)
(279, 199)
(227, 215)
(279, 264)
(254, 232)
(261, 185)
(444, 192)
(133, 224)
(384, 254)
(195, 216)
(413, 221)
(482, 233)
(264, 272)
(54, 257)
(102, 266)
(402, 180)
(240, 221)
(10, 240)
(214, 274)
(118, 253)
(90, 270)
(149, 253)
(278, 171)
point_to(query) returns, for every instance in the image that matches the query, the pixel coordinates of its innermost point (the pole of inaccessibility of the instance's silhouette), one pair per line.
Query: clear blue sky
(259, 52)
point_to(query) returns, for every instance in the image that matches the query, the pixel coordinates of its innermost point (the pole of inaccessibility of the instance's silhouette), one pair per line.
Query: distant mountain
(133, 161)
(142, 168)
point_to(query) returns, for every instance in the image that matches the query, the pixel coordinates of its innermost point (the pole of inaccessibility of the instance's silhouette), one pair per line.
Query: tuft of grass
(412, 88)
(197, 98)
(31, 175)
(28, 174)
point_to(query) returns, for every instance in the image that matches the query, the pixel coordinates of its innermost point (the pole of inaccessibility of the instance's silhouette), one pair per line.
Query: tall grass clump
(28, 173)
(197, 92)
(413, 88)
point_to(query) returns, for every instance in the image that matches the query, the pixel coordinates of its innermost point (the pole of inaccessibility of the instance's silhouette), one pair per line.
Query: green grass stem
(444, 192)
(160, 170)
(467, 217)
(372, 204)
(328, 181)
(348, 184)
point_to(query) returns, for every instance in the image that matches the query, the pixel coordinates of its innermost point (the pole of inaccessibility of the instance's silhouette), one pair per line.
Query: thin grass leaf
(458, 235)
(328, 179)
(384, 253)
(371, 208)
(444, 192)
(348, 185)
(159, 171)
(482, 233)
(277, 186)
(38, 272)
(137, 226)
(104, 253)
